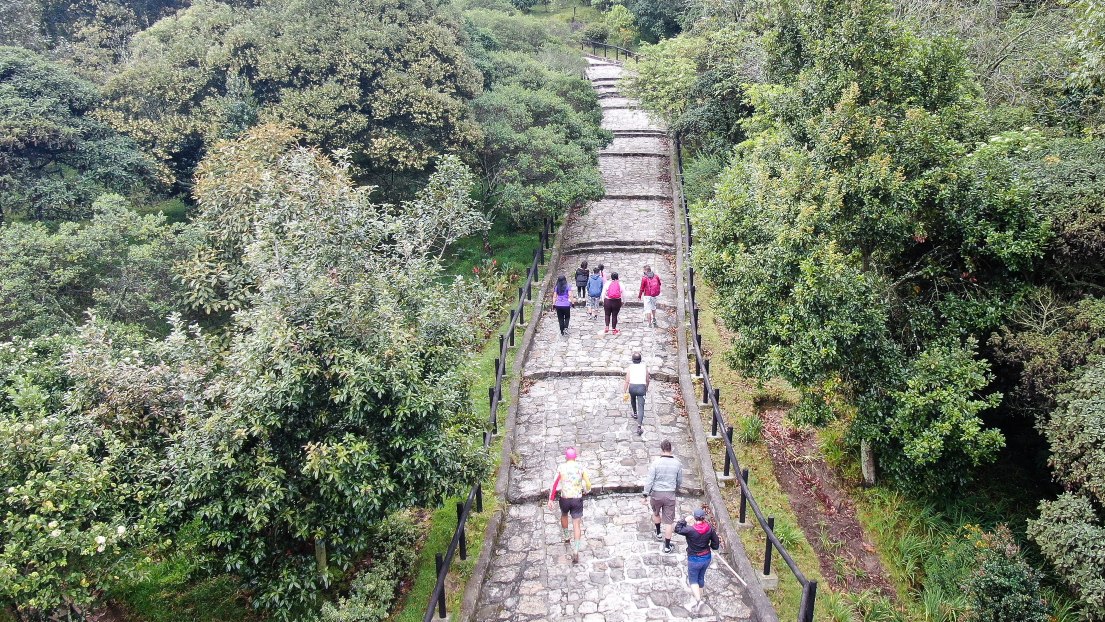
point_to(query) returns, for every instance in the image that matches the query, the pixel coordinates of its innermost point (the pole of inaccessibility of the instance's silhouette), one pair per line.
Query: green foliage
(750, 429)
(56, 157)
(373, 591)
(1070, 533)
(343, 398)
(538, 154)
(620, 26)
(1004, 587)
(387, 82)
(1070, 529)
(119, 265)
(656, 19)
(596, 31)
(66, 524)
(937, 416)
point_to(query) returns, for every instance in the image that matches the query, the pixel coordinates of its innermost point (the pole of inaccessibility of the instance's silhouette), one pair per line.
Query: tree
(119, 265)
(620, 25)
(343, 397)
(386, 81)
(657, 19)
(56, 157)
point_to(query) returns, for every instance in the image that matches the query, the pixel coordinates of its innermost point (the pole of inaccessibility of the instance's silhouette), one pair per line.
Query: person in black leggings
(612, 304)
(562, 302)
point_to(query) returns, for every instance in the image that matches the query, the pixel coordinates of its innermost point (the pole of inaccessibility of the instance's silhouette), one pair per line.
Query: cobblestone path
(572, 397)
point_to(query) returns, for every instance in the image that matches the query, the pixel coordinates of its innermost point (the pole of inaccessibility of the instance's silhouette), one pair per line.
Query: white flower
(120, 530)
(101, 540)
(52, 524)
(55, 533)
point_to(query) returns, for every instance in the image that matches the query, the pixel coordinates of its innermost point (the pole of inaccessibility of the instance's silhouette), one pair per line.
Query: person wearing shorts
(649, 291)
(665, 475)
(572, 482)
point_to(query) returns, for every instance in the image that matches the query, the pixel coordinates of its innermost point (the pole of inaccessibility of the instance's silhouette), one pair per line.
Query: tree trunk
(321, 562)
(867, 462)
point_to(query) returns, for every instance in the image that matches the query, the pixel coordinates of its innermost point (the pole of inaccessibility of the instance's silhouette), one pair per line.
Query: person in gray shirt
(665, 475)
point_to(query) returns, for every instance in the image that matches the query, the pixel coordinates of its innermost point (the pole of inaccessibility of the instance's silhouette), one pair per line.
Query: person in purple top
(562, 302)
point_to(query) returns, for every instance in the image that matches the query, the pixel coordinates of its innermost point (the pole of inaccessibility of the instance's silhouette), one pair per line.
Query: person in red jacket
(650, 291)
(701, 541)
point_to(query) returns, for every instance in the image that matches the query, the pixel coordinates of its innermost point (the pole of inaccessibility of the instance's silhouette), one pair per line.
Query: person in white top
(636, 385)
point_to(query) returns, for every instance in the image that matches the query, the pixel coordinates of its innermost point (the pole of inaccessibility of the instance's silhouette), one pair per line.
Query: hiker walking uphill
(665, 475)
(562, 302)
(581, 281)
(701, 539)
(612, 304)
(635, 387)
(650, 291)
(572, 482)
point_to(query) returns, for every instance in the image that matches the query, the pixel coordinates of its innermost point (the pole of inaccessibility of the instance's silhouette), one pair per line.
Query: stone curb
(470, 601)
(762, 609)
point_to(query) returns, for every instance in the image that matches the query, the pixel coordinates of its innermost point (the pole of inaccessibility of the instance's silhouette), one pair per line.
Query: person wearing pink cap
(572, 482)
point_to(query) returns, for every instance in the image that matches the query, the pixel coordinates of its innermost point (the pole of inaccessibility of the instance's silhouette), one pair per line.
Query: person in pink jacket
(650, 291)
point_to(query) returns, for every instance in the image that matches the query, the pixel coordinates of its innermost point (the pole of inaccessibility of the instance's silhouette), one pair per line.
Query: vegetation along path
(573, 397)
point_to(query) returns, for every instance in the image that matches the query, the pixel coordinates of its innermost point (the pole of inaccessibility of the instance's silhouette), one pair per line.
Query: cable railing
(711, 398)
(459, 543)
(619, 52)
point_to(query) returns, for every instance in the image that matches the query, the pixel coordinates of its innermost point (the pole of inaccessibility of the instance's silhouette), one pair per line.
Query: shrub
(596, 32)
(372, 592)
(750, 429)
(1003, 587)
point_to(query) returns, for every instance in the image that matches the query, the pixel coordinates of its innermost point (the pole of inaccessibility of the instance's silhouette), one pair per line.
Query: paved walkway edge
(470, 602)
(762, 609)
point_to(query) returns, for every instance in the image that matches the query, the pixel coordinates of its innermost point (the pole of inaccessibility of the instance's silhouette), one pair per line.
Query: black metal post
(694, 293)
(698, 340)
(809, 595)
(744, 498)
(705, 373)
(717, 399)
(768, 546)
(713, 425)
(529, 287)
(689, 230)
(479, 497)
(440, 563)
(502, 352)
(521, 294)
(690, 277)
(697, 366)
(728, 460)
(522, 310)
(694, 316)
(460, 526)
(541, 251)
(510, 341)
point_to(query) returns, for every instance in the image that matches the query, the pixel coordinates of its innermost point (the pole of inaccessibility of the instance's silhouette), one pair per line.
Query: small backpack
(614, 290)
(594, 285)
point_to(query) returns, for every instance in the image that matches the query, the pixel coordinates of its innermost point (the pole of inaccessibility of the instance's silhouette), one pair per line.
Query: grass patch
(512, 248)
(174, 209)
(740, 397)
(174, 589)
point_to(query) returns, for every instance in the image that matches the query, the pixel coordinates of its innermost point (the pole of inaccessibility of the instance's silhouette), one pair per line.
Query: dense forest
(901, 206)
(232, 323)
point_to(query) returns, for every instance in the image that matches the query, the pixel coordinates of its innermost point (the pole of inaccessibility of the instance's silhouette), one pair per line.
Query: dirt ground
(825, 510)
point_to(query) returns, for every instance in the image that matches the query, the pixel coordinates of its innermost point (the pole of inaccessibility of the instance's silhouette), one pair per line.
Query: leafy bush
(596, 31)
(1070, 532)
(373, 591)
(1003, 587)
(750, 429)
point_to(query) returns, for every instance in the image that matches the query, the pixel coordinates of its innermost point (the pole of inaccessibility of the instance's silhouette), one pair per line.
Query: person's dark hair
(636, 357)
(614, 276)
(561, 284)
(583, 264)
(595, 270)
(665, 446)
(601, 267)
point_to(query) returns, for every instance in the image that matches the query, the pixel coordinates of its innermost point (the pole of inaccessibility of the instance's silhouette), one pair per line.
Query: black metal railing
(494, 396)
(619, 53)
(711, 397)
